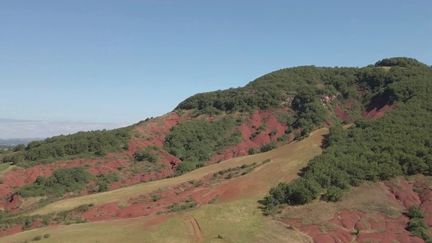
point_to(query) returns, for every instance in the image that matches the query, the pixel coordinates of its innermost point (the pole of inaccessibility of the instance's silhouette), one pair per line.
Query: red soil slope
(252, 136)
(348, 225)
(154, 131)
(378, 107)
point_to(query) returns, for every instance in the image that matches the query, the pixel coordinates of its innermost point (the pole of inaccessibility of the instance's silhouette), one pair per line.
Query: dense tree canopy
(397, 144)
(81, 143)
(197, 140)
(61, 182)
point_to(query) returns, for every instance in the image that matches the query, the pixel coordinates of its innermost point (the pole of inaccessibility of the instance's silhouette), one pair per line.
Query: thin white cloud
(11, 128)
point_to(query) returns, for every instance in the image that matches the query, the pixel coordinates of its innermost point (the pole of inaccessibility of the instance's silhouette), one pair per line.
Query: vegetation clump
(155, 197)
(95, 143)
(37, 238)
(399, 61)
(147, 154)
(103, 181)
(238, 171)
(8, 219)
(195, 141)
(417, 225)
(62, 181)
(268, 147)
(251, 151)
(187, 204)
(187, 166)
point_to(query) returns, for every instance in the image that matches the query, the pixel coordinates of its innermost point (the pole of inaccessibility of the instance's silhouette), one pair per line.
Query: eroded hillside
(94, 176)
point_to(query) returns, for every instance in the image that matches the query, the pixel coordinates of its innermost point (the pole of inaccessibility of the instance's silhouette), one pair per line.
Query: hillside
(227, 149)
(226, 200)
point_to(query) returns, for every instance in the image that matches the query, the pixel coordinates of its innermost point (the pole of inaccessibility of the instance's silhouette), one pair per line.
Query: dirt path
(195, 229)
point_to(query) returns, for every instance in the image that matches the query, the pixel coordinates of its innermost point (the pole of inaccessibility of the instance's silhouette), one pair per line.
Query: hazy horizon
(33, 129)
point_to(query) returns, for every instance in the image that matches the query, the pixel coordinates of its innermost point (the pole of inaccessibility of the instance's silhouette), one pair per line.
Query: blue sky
(117, 62)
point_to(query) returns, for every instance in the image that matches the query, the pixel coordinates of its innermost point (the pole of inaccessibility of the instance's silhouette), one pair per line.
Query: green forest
(93, 143)
(400, 143)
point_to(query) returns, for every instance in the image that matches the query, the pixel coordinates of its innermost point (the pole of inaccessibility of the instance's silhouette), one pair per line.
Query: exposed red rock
(376, 113)
(356, 225)
(252, 136)
(403, 191)
(341, 114)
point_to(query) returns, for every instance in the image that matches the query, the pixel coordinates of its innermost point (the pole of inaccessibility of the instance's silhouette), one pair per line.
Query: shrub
(333, 194)
(37, 238)
(415, 212)
(268, 147)
(155, 197)
(282, 138)
(103, 181)
(189, 203)
(14, 158)
(198, 140)
(62, 181)
(19, 147)
(301, 192)
(417, 225)
(251, 151)
(419, 228)
(187, 166)
(146, 154)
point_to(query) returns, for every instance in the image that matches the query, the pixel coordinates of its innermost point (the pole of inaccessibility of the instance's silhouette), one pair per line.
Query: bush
(14, 158)
(419, 228)
(268, 147)
(62, 181)
(189, 203)
(103, 181)
(146, 154)
(417, 225)
(187, 166)
(198, 140)
(251, 151)
(415, 212)
(155, 197)
(282, 138)
(19, 147)
(333, 194)
(37, 238)
(301, 192)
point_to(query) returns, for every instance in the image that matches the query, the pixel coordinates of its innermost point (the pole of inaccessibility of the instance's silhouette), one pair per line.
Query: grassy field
(236, 218)
(236, 221)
